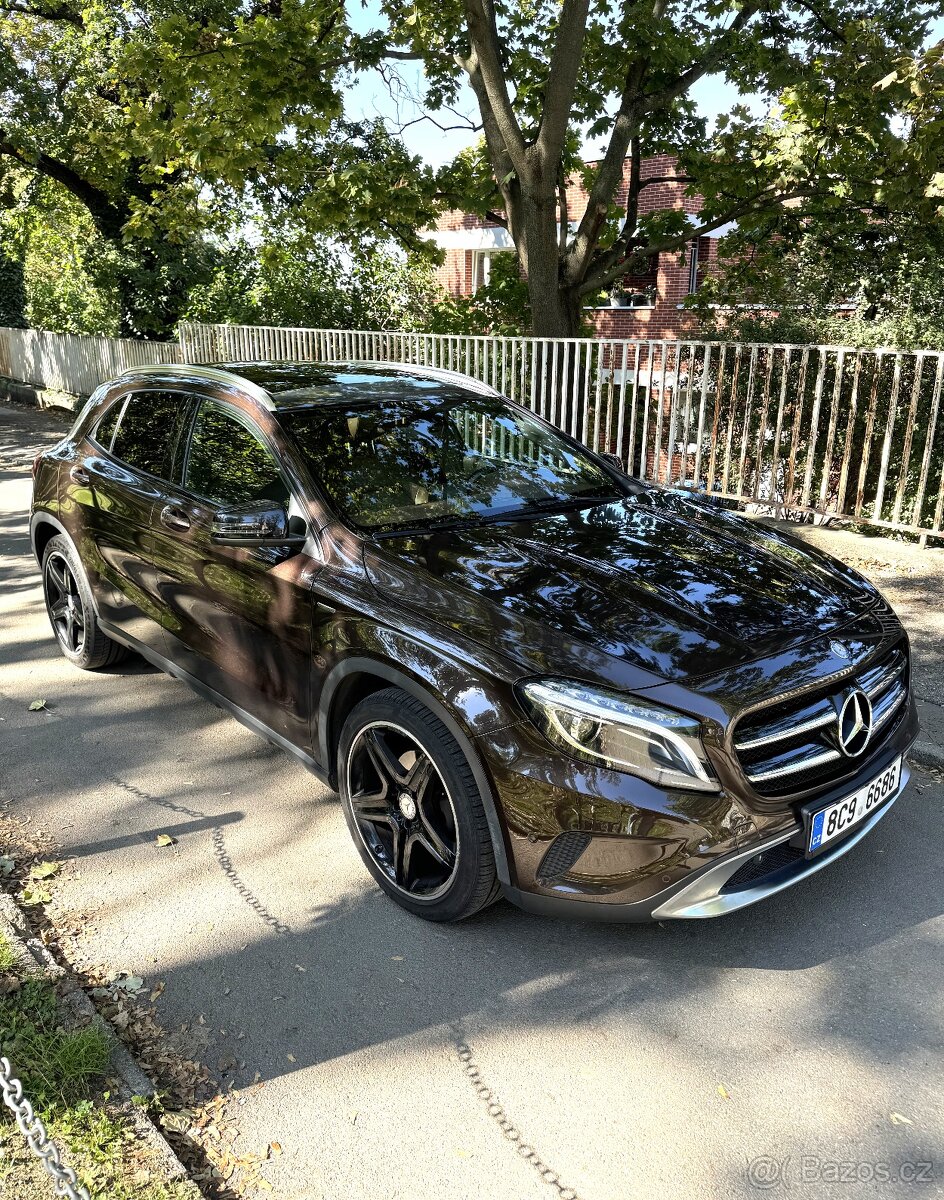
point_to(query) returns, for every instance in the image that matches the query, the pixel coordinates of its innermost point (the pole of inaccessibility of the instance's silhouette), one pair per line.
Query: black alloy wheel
(403, 810)
(414, 810)
(64, 604)
(72, 611)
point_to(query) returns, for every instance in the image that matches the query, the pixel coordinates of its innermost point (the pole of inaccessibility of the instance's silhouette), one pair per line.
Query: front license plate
(838, 819)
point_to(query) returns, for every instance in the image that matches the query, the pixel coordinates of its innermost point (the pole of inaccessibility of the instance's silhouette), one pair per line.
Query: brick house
(650, 305)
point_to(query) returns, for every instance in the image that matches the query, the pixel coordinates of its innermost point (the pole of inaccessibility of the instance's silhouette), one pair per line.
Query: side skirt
(245, 718)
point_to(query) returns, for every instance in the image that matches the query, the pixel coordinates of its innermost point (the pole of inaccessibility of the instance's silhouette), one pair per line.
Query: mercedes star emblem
(855, 723)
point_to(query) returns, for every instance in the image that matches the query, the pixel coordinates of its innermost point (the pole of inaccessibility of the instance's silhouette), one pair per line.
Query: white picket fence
(793, 430)
(63, 362)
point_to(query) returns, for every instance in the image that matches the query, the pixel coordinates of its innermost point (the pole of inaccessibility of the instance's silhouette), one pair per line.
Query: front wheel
(71, 610)
(414, 810)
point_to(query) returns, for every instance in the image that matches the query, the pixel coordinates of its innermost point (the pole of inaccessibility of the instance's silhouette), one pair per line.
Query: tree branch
(562, 80)
(108, 217)
(60, 12)
(634, 105)
(613, 264)
(483, 34)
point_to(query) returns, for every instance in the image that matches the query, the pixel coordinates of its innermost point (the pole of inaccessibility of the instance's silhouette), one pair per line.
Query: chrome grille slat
(801, 764)
(791, 746)
(873, 689)
(782, 733)
(884, 709)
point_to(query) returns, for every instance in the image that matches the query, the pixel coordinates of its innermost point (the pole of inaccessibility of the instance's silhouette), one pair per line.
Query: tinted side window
(228, 464)
(150, 429)
(105, 429)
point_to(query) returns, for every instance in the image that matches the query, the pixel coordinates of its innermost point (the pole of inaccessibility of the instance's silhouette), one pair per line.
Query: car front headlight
(626, 735)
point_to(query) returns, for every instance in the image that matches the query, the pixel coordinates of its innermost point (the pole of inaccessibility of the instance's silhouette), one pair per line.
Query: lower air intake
(562, 853)
(761, 865)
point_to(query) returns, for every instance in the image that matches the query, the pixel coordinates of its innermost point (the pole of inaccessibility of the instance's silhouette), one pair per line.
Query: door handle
(174, 518)
(80, 476)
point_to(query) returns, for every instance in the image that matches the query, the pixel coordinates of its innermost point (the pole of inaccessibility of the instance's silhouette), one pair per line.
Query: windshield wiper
(439, 525)
(551, 504)
(535, 508)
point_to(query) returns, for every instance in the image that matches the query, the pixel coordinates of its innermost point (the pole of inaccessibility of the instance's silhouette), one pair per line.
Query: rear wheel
(413, 808)
(71, 611)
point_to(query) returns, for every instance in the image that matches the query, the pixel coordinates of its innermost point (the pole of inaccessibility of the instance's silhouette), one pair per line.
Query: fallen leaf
(274, 1148)
(290, 1057)
(129, 983)
(164, 839)
(44, 870)
(299, 967)
(37, 706)
(6, 864)
(897, 1119)
(396, 958)
(723, 1092)
(35, 895)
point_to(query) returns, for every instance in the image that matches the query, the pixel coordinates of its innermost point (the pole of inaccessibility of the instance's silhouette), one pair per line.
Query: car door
(117, 478)
(237, 618)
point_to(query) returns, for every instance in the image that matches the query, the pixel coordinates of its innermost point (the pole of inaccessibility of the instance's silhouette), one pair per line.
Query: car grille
(792, 747)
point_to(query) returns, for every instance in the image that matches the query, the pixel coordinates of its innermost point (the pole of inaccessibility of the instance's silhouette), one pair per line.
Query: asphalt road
(818, 1014)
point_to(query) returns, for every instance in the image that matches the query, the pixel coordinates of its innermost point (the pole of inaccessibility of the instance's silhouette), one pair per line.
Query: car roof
(285, 385)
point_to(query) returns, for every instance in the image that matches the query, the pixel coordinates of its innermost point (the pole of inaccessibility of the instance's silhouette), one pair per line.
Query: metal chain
(500, 1117)
(37, 1139)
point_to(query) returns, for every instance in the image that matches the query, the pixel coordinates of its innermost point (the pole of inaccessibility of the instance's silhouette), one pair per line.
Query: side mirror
(255, 524)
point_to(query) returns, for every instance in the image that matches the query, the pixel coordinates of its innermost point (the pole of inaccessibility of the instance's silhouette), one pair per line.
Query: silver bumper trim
(703, 896)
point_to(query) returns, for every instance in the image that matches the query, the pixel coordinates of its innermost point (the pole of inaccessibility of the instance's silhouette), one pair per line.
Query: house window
(693, 267)
(698, 262)
(481, 268)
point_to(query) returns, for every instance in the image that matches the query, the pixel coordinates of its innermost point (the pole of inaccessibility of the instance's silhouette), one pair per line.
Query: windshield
(414, 461)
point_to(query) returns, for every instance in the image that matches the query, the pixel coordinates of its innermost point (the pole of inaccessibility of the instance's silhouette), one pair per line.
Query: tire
(413, 808)
(71, 610)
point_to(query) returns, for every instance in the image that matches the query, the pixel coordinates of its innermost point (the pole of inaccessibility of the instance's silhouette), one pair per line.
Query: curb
(927, 754)
(134, 1081)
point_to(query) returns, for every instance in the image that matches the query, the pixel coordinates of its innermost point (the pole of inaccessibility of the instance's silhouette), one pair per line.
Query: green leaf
(37, 705)
(44, 870)
(164, 839)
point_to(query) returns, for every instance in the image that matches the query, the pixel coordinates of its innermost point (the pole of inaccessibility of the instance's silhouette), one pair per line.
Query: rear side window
(150, 430)
(229, 465)
(105, 429)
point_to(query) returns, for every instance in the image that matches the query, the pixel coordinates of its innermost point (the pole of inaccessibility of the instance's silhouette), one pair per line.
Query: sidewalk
(912, 580)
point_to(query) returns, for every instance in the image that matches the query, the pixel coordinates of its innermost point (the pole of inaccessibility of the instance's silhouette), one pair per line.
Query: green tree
(12, 291)
(165, 121)
(851, 137)
(502, 307)
(290, 278)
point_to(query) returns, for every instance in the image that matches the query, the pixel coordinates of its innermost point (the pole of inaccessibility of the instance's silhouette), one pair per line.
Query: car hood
(669, 587)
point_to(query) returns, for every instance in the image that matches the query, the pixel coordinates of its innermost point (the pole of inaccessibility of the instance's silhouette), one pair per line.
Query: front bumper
(640, 854)
(705, 895)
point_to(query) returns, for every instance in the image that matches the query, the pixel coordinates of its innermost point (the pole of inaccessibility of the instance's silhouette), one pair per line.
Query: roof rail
(210, 374)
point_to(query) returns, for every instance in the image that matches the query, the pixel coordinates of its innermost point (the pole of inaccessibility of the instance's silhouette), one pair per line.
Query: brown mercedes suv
(524, 671)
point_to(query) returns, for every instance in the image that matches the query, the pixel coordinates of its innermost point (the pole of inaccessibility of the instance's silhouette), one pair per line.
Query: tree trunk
(555, 308)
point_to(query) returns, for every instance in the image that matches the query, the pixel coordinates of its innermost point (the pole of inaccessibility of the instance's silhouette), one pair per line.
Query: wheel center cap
(407, 805)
